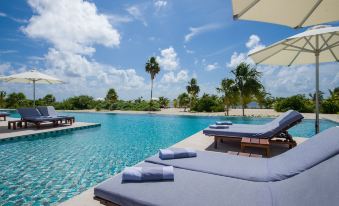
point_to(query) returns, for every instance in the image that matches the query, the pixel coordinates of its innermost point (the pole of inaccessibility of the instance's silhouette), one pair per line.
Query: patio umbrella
(315, 45)
(292, 13)
(32, 76)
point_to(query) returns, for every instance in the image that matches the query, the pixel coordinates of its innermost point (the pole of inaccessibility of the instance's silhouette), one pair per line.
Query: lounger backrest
(306, 155)
(284, 121)
(28, 112)
(47, 111)
(288, 118)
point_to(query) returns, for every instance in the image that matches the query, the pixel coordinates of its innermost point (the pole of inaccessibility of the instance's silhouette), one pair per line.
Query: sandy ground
(233, 112)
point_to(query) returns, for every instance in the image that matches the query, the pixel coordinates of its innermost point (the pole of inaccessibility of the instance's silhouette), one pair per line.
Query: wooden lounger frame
(56, 122)
(274, 139)
(105, 202)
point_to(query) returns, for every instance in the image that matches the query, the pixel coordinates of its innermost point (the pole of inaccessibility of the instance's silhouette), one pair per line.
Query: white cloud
(188, 51)
(136, 12)
(211, 67)
(18, 20)
(237, 58)
(171, 77)
(84, 75)
(73, 31)
(73, 28)
(8, 51)
(194, 31)
(118, 19)
(168, 59)
(286, 81)
(159, 4)
(254, 44)
(4, 67)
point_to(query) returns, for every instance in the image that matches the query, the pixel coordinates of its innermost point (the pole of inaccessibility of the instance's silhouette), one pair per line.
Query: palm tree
(183, 100)
(248, 83)
(49, 99)
(164, 102)
(152, 67)
(320, 95)
(175, 103)
(261, 97)
(334, 94)
(192, 89)
(2, 98)
(230, 93)
(111, 97)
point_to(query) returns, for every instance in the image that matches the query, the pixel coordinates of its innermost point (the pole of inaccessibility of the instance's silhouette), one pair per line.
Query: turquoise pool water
(50, 169)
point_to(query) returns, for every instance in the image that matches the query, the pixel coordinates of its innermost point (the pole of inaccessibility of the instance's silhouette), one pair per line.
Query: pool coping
(54, 130)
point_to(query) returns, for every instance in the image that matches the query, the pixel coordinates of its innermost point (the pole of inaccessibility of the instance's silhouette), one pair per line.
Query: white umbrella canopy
(316, 45)
(30, 77)
(33, 77)
(292, 13)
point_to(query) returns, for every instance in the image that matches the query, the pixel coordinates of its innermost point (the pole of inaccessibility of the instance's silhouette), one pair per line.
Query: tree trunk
(227, 109)
(242, 104)
(150, 108)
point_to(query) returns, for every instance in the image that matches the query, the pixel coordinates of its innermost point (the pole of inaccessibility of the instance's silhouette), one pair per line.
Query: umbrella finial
(321, 26)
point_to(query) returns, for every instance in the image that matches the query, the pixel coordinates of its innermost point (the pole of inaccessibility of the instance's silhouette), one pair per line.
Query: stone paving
(6, 133)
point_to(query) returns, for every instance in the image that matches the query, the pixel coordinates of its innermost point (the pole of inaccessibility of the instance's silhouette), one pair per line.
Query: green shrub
(297, 102)
(330, 107)
(140, 105)
(208, 103)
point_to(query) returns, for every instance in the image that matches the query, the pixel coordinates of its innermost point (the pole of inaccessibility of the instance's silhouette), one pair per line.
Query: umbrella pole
(317, 85)
(33, 93)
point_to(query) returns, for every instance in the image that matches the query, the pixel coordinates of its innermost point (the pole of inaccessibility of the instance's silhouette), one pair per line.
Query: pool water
(50, 168)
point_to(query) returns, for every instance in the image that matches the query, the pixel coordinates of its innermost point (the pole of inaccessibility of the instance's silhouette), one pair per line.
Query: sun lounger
(50, 112)
(32, 115)
(306, 175)
(308, 154)
(276, 128)
(4, 115)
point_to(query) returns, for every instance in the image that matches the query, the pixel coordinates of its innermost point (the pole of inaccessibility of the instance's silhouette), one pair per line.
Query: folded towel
(175, 153)
(223, 123)
(142, 174)
(214, 126)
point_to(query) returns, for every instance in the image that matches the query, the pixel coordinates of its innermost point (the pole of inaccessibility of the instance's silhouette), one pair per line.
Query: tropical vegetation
(245, 87)
(193, 90)
(152, 67)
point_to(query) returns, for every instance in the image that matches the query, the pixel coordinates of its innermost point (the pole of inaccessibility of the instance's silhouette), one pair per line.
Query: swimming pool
(50, 169)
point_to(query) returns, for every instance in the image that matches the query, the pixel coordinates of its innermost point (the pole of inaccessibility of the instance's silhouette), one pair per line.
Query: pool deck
(197, 141)
(233, 112)
(6, 133)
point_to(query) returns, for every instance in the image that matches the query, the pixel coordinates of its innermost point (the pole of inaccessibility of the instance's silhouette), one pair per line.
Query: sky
(100, 44)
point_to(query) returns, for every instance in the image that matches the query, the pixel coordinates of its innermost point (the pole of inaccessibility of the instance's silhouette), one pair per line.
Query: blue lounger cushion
(317, 149)
(28, 112)
(257, 131)
(141, 174)
(223, 123)
(175, 153)
(32, 114)
(317, 181)
(216, 126)
(49, 111)
(316, 186)
(188, 188)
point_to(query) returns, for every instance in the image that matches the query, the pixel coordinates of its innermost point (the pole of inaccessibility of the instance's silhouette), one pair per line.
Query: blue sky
(99, 44)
